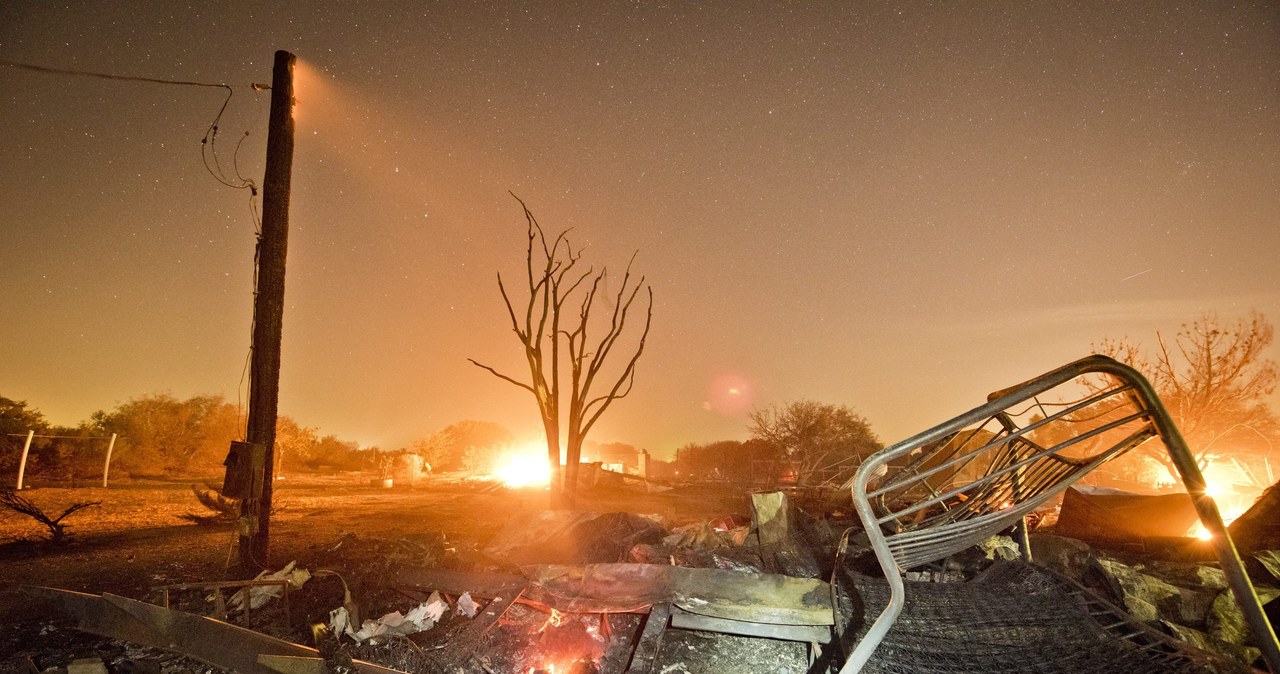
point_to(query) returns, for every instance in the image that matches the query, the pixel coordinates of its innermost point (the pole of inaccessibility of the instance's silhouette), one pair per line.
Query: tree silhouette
(555, 330)
(1213, 379)
(826, 442)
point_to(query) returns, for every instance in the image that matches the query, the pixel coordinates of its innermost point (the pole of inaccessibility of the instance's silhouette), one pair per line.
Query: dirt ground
(135, 541)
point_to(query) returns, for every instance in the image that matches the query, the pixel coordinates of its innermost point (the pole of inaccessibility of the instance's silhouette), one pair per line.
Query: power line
(126, 78)
(64, 437)
(208, 151)
(209, 154)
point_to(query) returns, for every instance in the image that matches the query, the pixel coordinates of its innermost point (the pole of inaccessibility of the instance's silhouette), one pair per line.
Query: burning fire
(524, 467)
(1223, 483)
(554, 620)
(569, 645)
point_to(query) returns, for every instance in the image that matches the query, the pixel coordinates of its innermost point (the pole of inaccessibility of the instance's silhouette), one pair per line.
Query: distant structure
(619, 458)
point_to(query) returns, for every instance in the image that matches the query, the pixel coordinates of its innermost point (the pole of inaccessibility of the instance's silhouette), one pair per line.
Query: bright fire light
(1198, 531)
(526, 467)
(556, 619)
(1215, 490)
(1223, 483)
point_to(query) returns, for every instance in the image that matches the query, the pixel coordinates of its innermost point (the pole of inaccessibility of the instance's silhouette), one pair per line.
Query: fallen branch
(222, 510)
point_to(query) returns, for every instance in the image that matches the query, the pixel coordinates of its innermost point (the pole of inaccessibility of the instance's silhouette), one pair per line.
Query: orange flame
(556, 619)
(1223, 482)
(524, 467)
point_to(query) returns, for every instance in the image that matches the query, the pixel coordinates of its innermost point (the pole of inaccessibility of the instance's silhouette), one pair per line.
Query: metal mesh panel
(1014, 618)
(957, 490)
(957, 483)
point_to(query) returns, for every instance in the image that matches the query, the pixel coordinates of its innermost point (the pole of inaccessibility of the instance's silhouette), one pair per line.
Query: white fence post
(22, 463)
(106, 467)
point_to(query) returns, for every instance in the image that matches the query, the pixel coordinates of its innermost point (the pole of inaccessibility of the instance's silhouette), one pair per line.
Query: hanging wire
(109, 76)
(63, 437)
(209, 151)
(246, 374)
(257, 120)
(212, 164)
(208, 144)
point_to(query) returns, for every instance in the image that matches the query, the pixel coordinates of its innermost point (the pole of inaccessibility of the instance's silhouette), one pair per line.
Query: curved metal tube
(1183, 459)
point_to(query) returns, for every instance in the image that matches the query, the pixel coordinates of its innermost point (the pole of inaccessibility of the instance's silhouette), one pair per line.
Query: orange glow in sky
(899, 207)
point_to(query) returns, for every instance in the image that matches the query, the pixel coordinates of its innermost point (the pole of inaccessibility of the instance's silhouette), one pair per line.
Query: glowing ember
(524, 468)
(564, 667)
(554, 620)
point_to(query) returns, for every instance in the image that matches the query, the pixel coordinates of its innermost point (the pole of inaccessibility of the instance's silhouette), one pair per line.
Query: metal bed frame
(954, 485)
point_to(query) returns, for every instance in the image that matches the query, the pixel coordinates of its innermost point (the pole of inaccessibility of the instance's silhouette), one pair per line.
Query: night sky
(895, 206)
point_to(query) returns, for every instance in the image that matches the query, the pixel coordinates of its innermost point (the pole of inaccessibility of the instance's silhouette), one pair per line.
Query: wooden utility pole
(268, 309)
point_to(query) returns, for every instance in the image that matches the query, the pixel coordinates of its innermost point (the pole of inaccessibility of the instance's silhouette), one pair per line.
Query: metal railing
(958, 483)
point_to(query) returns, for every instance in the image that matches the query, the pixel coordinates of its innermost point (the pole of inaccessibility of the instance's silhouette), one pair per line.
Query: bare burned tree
(826, 443)
(556, 323)
(11, 500)
(1214, 378)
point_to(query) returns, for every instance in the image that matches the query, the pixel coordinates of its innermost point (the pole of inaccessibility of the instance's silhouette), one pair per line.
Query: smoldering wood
(712, 600)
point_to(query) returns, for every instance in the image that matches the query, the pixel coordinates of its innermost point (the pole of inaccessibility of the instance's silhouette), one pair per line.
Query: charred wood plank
(622, 588)
(211, 641)
(804, 633)
(645, 655)
(292, 664)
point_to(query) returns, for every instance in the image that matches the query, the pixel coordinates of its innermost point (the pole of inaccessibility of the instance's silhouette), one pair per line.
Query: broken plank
(211, 641)
(206, 639)
(292, 664)
(645, 655)
(94, 615)
(804, 633)
(616, 588)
